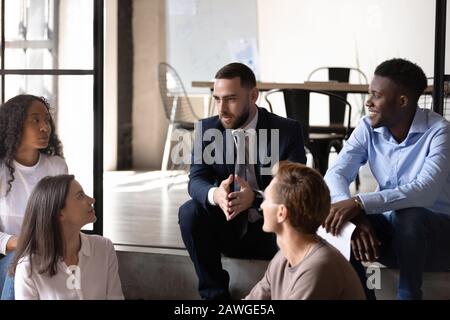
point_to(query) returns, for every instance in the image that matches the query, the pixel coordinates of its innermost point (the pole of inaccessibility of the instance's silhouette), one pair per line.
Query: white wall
(296, 36)
(110, 87)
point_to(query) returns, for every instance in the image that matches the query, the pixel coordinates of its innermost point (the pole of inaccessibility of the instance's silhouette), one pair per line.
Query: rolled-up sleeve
(4, 238)
(424, 190)
(347, 164)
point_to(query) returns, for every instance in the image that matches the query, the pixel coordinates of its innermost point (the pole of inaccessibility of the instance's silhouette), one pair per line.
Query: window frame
(97, 74)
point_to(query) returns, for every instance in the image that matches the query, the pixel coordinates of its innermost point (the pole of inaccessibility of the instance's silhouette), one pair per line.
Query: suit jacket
(204, 176)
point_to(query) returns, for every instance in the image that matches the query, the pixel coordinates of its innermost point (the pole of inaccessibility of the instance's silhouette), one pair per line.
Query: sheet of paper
(245, 50)
(182, 7)
(342, 242)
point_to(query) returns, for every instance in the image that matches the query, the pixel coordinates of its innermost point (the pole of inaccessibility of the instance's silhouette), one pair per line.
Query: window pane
(14, 20)
(72, 111)
(75, 126)
(29, 59)
(29, 20)
(37, 85)
(76, 34)
(55, 34)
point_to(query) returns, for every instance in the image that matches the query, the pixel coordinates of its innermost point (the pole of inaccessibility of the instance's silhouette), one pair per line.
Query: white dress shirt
(250, 169)
(13, 204)
(96, 276)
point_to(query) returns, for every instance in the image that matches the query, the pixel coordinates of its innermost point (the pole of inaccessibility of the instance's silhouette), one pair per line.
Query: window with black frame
(53, 49)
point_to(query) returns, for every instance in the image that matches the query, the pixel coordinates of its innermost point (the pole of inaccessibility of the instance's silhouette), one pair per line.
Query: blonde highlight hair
(304, 192)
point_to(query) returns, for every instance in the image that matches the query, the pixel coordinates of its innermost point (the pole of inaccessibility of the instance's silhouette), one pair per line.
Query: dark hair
(405, 73)
(304, 192)
(41, 238)
(13, 114)
(236, 69)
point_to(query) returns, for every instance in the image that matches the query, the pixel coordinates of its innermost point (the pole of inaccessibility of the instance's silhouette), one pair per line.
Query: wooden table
(311, 85)
(331, 86)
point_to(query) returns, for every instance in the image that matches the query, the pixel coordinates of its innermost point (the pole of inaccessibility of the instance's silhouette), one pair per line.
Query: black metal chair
(318, 140)
(347, 75)
(177, 107)
(426, 99)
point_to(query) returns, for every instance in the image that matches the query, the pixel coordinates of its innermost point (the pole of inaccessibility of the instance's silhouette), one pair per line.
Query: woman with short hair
(296, 203)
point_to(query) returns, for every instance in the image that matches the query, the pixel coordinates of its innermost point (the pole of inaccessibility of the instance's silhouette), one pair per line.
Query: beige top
(323, 274)
(96, 277)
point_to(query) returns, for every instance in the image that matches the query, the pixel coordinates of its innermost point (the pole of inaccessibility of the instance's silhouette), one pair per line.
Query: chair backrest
(342, 74)
(177, 106)
(426, 100)
(297, 104)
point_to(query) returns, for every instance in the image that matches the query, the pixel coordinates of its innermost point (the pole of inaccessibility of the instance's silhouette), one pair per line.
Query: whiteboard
(199, 33)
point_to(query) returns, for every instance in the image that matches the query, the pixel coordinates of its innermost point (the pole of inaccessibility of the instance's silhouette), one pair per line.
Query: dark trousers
(413, 240)
(207, 235)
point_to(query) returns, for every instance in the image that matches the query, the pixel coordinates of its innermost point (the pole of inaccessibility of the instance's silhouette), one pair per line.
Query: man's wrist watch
(359, 203)
(259, 198)
(258, 194)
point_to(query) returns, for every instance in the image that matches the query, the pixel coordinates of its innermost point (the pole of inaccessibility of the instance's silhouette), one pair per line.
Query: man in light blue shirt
(405, 223)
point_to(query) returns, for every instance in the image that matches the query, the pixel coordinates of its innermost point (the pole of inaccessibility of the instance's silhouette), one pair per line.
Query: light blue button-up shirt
(413, 173)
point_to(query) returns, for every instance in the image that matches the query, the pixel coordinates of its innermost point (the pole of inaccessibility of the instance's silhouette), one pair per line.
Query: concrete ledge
(436, 285)
(156, 273)
(170, 274)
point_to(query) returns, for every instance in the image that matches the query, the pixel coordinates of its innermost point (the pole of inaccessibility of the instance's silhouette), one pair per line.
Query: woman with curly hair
(29, 151)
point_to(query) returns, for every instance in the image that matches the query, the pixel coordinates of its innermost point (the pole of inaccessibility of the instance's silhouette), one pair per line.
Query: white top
(96, 276)
(13, 205)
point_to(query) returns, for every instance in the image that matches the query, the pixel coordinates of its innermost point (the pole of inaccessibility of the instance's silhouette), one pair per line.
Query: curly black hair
(405, 73)
(13, 114)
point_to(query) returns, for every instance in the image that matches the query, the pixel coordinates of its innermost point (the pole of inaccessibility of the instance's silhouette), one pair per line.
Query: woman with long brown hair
(54, 259)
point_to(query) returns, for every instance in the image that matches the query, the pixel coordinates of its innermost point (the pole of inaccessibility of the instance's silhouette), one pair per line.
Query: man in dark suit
(223, 215)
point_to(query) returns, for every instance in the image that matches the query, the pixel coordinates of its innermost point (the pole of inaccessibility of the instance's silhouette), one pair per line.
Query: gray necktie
(241, 158)
(241, 165)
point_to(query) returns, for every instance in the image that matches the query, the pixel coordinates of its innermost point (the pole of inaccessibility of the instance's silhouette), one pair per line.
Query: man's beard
(240, 120)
